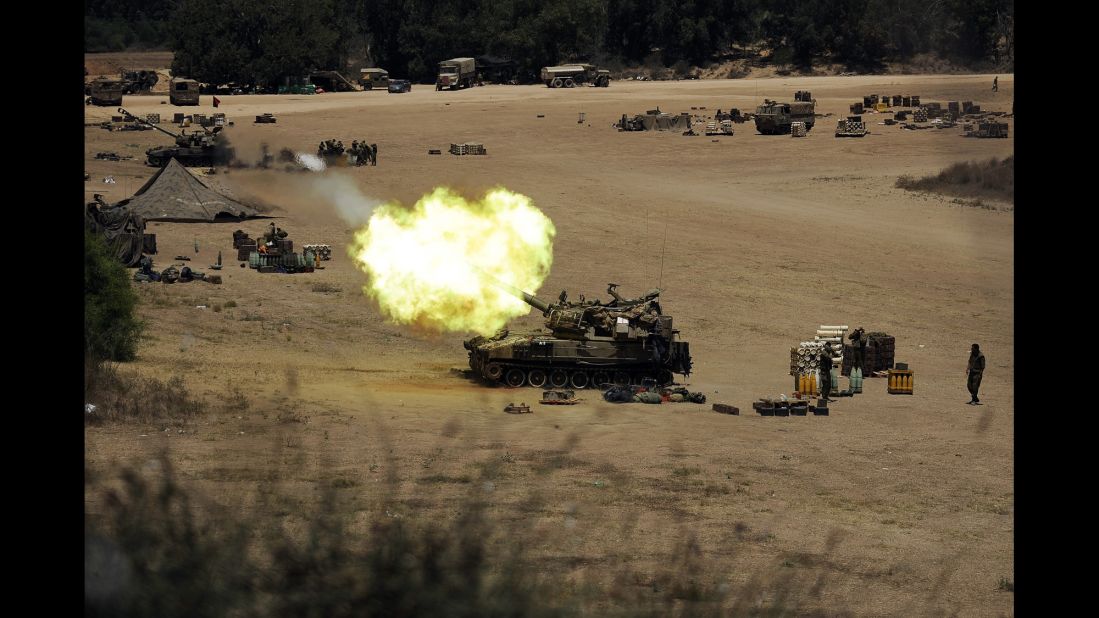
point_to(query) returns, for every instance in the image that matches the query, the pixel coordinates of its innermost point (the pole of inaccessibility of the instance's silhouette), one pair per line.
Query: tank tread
(520, 374)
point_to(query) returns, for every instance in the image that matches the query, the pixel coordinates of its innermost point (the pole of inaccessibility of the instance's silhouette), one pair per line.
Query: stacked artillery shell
(805, 358)
(833, 337)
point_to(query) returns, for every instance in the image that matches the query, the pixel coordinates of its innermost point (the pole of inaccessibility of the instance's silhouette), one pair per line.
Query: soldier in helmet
(373, 154)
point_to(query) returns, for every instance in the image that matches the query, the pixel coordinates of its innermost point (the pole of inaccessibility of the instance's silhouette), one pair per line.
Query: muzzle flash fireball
(426, 264)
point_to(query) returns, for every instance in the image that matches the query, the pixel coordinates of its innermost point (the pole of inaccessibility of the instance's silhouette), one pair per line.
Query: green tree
(111, 329)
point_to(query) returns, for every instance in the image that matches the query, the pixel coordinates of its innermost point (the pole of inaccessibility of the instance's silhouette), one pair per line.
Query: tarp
(123, 230)
(175, 194)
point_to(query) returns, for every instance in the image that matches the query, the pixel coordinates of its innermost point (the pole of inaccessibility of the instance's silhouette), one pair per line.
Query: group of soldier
(363, 153)
(974, 370)
(360, 153)
(330, 147)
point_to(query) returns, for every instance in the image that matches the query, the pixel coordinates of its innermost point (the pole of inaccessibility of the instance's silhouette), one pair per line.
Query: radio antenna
(661, 280)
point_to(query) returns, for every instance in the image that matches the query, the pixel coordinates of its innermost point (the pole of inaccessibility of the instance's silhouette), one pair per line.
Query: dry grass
(123, 398)
(991, 179)
(186, 556)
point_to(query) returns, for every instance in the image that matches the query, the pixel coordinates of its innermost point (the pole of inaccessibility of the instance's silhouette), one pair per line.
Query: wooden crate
(900, 382)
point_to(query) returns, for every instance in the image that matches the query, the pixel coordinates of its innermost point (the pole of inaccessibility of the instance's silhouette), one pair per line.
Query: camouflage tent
(174, 194)
(123, 230)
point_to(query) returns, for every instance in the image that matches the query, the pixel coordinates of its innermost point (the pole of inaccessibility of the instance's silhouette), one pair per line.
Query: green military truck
(774, 118)
(105, 92)
(571, 75)
(182, 91)
(373, 78)
(456, 73)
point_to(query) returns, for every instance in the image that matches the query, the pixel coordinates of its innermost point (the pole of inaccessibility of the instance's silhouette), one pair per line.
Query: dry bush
(993, 179)
(156, 547)
(124, 398)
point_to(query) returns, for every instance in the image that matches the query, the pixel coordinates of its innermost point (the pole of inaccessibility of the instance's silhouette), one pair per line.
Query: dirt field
(893, 505)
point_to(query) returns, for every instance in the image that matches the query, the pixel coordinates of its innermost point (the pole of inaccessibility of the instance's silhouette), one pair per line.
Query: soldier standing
(373, 154)
(858, 345)
(825, 362)
(996, 84)
(975, 371)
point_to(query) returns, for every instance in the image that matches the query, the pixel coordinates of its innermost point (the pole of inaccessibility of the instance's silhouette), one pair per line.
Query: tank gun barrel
(529, 299)
(142, 120)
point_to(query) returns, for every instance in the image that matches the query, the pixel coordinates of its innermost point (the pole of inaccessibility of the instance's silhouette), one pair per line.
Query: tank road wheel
(557, 82)
(579, 380)
(515, 377)
(621, 378)
(558, 378)
(494, 371)
(569, 83)
(536, 378)
(600, 378)
(664, 377)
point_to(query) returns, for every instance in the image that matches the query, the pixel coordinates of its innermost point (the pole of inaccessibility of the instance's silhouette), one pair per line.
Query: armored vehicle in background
(204, 149)
(774, 118)
(571, 75)
(590, 344)
(105, 92)
(456, 73)
(183, 91)
(139, 80)
(373, 78)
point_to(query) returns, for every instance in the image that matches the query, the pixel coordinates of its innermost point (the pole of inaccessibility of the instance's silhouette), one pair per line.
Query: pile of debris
(274, 253)
(183, 274)
(112, 156)
(469, 148)
(789, 407)
(853, 126)
(985, 129)
(559, 398)
(651, 394)
(216, 119)
(655, 120)
(723, 127)
(322, 251)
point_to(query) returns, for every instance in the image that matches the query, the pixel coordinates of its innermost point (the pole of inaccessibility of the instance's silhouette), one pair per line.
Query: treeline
(117, 25)
(253, 41)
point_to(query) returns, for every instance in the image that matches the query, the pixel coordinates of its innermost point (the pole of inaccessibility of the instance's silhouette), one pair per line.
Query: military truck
(590, 344)
(774, 118)
(105, 91)
(456, 73)
(139, 80)
(204, 149)
(571, 75)
(373, 78)
(183, 91)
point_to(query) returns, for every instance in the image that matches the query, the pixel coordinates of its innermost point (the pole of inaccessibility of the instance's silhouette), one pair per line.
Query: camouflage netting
(174, 194)
(123, 230)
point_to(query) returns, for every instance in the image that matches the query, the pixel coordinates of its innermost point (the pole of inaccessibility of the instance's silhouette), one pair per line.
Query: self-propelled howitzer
(591, 344)
(194, 149)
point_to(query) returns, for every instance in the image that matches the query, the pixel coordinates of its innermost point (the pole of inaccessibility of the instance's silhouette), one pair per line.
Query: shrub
(111, 330)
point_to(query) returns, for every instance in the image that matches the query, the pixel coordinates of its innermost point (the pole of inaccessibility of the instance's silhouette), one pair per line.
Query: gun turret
(130, 116)
(529, 299)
